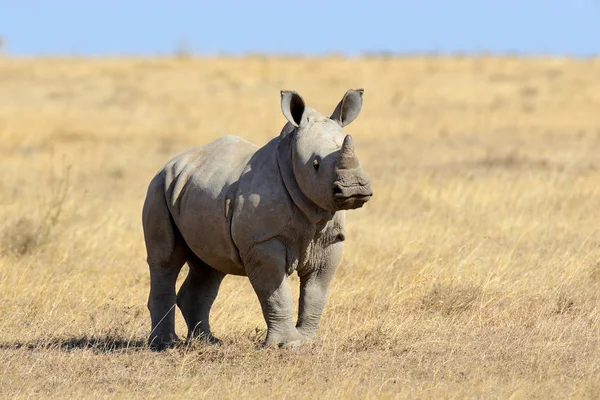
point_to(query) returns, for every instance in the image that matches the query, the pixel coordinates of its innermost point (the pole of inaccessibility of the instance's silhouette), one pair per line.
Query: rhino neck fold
(313, 212)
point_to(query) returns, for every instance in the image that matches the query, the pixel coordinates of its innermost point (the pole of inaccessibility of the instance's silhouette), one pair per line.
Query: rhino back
(200, 184)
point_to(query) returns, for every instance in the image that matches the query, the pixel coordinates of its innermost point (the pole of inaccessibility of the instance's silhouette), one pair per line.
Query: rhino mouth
(351, 197)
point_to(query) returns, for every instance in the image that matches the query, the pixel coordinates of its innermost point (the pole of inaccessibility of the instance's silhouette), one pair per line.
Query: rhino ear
(292, 106)
(349, 108)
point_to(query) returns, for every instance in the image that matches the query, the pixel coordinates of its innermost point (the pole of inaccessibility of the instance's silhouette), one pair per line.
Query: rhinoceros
(230, 207)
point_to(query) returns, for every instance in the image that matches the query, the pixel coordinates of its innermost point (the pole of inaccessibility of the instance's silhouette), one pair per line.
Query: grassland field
(474, 272)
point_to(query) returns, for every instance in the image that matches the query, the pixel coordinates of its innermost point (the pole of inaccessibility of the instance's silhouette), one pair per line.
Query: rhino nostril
(337, 190)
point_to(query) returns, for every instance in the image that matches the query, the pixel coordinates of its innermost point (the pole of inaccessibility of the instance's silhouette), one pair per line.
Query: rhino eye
(316, 164)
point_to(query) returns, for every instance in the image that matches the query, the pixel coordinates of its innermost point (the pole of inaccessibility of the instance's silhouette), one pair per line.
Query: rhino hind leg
(167, 252)
(196, 297)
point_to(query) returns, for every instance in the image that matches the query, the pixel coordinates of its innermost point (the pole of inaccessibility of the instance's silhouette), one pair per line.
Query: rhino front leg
(196, 297)
(313, 293)
(266, 270)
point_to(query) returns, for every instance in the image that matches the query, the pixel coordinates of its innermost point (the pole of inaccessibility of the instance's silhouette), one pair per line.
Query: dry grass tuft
(450, 299)
(22, 237)
(26, 235)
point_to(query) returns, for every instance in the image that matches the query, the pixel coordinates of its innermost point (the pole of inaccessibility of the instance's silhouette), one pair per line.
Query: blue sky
(135, 27)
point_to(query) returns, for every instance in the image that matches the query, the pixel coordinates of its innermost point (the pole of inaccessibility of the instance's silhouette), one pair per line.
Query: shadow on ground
(106, 344)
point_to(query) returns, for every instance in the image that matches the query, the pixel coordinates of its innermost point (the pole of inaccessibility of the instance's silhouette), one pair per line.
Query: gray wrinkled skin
(230, 207)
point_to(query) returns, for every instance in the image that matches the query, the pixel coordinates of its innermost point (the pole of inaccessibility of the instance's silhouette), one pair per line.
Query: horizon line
(373, 54)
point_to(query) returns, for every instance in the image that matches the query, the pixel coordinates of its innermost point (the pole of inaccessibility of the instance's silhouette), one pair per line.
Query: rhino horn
(348, 159)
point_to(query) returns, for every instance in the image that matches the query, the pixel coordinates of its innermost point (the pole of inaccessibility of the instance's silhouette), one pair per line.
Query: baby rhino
(230, 207)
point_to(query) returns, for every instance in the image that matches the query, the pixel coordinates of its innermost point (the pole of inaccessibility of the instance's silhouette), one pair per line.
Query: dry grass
(473, 272)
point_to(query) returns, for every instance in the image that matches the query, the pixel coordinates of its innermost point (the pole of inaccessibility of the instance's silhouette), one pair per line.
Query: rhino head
(323, 160)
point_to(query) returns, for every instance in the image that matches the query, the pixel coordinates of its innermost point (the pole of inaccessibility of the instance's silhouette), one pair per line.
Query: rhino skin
(230, 207)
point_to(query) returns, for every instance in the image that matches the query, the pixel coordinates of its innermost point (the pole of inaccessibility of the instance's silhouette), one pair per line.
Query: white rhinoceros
(230, 207)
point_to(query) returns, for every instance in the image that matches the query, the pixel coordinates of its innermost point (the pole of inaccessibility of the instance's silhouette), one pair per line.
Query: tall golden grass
(473, 272)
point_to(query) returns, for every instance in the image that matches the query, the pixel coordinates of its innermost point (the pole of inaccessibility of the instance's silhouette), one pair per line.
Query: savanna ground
(473, 272)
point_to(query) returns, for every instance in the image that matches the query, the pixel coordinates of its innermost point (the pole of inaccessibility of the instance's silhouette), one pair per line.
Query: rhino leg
(314, 286)
(313, 294)
(167, 252)
(196, 297)
(266, 269)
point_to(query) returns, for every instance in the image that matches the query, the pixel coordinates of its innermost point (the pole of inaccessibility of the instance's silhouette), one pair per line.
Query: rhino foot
(157, 343)
(207, 338)
(294, 344)
(292, 341)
